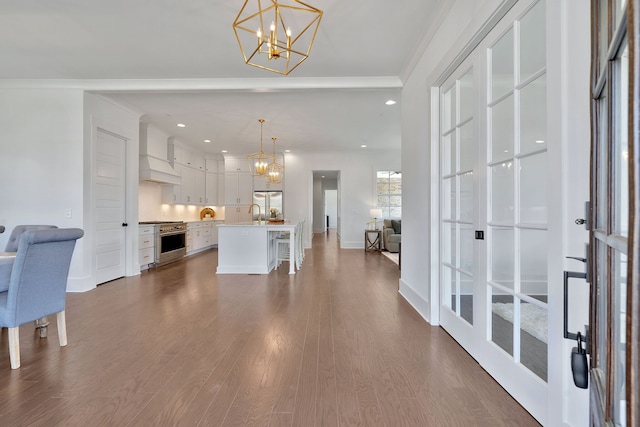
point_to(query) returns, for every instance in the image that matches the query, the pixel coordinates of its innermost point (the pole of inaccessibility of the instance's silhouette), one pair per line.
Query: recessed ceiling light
(287, 151)
(363, 146)
(539, 141)
(182, 125)
(224, 151)
(390, 102)
(322, 176)
(207, 140)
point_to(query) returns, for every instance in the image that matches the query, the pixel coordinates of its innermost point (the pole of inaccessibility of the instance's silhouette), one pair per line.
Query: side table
(376, 243)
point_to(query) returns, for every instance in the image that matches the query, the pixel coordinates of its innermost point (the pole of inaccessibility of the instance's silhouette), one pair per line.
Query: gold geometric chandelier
(275, 169)
(276, 35)
(259, 161)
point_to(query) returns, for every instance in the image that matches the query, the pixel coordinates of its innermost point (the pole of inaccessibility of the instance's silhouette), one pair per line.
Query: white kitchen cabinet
(146, 246)
(200, 163)
(236, 164)
(238, 188)
(199, 187)
(199, 236)
(211, 189)
(173, 193)
(190, 165)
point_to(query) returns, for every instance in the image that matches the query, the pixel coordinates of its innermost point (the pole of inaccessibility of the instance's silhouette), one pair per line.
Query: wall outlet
(67, 213)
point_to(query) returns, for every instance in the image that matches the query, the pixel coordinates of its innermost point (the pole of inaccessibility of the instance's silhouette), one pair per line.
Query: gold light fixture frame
(276, 47)
(275, 170)
(259, 161)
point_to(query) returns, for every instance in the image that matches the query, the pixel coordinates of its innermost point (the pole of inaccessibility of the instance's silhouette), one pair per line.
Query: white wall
(357, 187)
(41, 162)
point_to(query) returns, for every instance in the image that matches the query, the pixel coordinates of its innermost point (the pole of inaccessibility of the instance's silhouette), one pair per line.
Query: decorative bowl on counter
(207, 213)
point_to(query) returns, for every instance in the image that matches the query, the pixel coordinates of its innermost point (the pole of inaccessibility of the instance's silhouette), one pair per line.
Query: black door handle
(124, 224)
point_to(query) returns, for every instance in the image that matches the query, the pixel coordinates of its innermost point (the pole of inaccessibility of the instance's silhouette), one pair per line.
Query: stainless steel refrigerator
(267, 200)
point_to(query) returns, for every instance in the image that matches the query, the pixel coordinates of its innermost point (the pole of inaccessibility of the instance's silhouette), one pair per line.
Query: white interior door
(494, 244)
(110, 209)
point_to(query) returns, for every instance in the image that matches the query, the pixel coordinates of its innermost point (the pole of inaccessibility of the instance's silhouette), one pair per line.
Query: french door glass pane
(449, 154)
(619, 339)
(447, 244)
(621, 147)
(533, 115)
(533, 41)
(502, 193)
(466, 96)
(502, 256)
(466, 297)
(533, 263)
(467, 154)
(533, 189)
(502, 319)
(502, 129)
(454, 243)
(466, 248)
(533, 338)
(502, 66)
(449, 286)
(466, 197)
(449, 109)
(449, 198)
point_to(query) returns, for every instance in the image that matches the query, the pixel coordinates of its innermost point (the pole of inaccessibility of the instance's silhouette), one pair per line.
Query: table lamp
(375, 213)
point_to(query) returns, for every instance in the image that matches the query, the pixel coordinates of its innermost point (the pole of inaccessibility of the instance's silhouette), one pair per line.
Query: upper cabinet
(214, 179)
(191, 165)
(236, 164)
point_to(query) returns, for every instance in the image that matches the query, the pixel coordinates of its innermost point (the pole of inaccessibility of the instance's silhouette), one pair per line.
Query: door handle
(124, 224)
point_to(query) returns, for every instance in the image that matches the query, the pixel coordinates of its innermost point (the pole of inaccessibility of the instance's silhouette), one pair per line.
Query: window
(389, 191)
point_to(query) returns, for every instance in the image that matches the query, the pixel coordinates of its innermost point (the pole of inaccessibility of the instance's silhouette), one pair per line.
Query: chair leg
(41, 325)
(14, 347)
(62, 329)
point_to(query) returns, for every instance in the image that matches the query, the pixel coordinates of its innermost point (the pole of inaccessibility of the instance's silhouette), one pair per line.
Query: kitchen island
(252, 247)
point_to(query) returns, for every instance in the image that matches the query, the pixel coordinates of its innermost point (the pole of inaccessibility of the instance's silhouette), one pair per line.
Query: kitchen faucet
(251, 211)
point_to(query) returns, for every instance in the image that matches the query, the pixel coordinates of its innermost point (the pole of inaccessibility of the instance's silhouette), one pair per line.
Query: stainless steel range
(171, 240)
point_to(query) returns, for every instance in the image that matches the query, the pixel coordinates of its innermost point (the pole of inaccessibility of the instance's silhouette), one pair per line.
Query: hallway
(334, 345)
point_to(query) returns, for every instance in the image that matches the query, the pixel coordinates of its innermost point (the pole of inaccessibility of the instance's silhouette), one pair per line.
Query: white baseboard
(80, 284)
(417, 302)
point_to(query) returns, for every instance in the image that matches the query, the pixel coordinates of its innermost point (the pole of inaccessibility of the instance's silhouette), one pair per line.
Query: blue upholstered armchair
(6, 264)
(38, 283)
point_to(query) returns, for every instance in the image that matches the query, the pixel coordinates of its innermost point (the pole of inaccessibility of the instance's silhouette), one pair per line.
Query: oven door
(171, 246)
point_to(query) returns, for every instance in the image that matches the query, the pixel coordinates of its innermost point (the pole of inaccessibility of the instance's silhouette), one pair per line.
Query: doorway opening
(326, 201)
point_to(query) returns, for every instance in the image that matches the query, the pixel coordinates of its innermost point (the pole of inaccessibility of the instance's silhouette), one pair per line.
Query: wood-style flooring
(334, 345)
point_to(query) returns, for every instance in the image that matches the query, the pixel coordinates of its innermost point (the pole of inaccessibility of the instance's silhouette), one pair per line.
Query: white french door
(494, 241)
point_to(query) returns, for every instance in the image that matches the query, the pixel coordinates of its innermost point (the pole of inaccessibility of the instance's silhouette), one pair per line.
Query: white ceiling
(179, 61)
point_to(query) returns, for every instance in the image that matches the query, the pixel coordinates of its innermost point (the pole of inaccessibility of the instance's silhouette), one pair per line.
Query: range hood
(154, 165)
(157, 170)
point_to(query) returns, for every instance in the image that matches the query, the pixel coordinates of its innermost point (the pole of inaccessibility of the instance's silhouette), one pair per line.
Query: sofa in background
(391, 234)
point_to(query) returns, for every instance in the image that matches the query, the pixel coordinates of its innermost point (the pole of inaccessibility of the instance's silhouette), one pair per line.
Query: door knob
(124, 224)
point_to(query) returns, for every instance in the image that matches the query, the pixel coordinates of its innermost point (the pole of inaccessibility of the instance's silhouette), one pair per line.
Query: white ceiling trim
(116, 85)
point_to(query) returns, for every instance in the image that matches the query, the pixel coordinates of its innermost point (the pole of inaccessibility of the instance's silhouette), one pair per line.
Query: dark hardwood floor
(334, 345)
